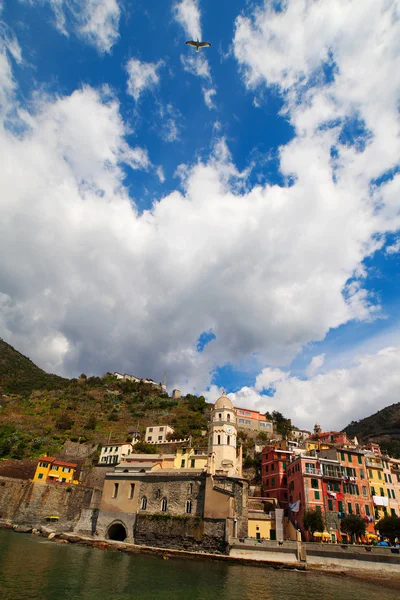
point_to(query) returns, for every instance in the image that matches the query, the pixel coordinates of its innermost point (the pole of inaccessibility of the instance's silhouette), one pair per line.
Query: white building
(157, 434)
(127, 377)
(113, 453)
(300, 434)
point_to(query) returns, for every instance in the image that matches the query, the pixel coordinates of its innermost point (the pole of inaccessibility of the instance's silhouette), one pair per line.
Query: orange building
(252, 419)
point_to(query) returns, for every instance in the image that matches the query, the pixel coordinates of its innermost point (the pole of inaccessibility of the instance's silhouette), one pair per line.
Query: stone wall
(241, 507)
(181, 533)
(74, 450)
(29, 503)
(92, 476)
(177, 491)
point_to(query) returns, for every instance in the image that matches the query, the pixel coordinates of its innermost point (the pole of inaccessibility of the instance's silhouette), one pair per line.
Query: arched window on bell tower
(218, 439)
(220, 416)
(228, 417)
(228, 440)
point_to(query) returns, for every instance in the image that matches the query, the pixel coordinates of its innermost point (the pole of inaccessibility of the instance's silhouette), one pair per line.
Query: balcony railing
(333, 473)
(374, 464)
(313, 471)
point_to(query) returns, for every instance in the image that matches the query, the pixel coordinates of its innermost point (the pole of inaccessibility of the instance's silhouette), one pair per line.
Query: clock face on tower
(229, 430)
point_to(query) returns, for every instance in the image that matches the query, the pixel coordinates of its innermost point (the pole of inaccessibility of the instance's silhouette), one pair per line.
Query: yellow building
(261, 527)
(191, 458)
(49, 469)
(377, 484)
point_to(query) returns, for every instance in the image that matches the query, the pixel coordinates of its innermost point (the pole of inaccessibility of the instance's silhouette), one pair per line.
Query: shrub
(64, 422)
(91, 422)
(144, 448)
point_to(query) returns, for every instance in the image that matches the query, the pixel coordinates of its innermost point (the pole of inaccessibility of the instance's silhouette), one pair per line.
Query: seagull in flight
(198, 44)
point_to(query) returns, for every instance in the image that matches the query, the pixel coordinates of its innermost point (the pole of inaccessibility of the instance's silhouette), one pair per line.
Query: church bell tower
(222, 443)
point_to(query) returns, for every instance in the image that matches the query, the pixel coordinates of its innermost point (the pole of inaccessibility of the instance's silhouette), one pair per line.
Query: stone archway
(117, 531)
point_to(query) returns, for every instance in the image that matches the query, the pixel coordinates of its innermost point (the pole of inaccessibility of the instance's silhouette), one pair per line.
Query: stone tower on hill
(222, 445)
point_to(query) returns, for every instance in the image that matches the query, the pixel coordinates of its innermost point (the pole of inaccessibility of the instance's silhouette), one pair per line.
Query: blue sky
(230, 217)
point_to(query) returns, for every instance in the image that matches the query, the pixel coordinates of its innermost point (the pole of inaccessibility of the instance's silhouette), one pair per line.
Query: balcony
(374, 464)
(333, 473)
(313, 471)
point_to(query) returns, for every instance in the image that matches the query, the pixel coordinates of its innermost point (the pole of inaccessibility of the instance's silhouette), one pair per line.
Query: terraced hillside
(39, 412)
(383, 427)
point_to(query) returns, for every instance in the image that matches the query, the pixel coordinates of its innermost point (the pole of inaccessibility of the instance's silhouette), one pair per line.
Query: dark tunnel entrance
(117, 532)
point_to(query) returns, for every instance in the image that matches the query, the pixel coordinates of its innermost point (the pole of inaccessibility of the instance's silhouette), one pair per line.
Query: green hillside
(40, 412)
(19, 375)
(382, 427)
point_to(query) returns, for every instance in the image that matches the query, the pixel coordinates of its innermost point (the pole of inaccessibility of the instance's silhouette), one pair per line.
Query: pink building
(273, 474)
(304, 478)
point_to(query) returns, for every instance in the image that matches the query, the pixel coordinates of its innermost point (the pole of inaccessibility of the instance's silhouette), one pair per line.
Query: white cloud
(268, 377)
(99, 23)
(142, 76)
(394, 248)
(337, 397)
(95, 21)
(170, 131)
(160, 174)
(208, 96)
(361, 43)
(266, 268)
(315, 365)
(196, 64)
(170, 124)
(9, 46)
(187, 14)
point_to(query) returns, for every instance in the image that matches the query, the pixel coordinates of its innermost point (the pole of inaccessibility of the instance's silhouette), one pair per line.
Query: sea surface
(37, 569)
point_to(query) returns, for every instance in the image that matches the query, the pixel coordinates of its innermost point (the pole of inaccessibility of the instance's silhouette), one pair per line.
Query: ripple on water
(36, 569)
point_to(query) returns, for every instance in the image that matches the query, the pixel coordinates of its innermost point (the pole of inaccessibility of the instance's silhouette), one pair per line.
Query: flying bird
(198, 44)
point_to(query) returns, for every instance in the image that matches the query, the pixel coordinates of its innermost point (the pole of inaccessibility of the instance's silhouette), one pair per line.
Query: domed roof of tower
(223, 402)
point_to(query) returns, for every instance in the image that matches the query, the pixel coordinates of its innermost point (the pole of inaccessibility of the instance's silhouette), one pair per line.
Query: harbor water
(34, 568)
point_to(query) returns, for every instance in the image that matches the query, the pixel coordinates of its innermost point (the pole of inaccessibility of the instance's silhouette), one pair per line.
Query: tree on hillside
(262, 436)
(353, 525)
(389, 527)
(313, 521)
(283, 426)
(196, 403)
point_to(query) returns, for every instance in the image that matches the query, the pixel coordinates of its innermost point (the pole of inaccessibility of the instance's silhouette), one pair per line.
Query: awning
(371, 536)
(317, 534)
